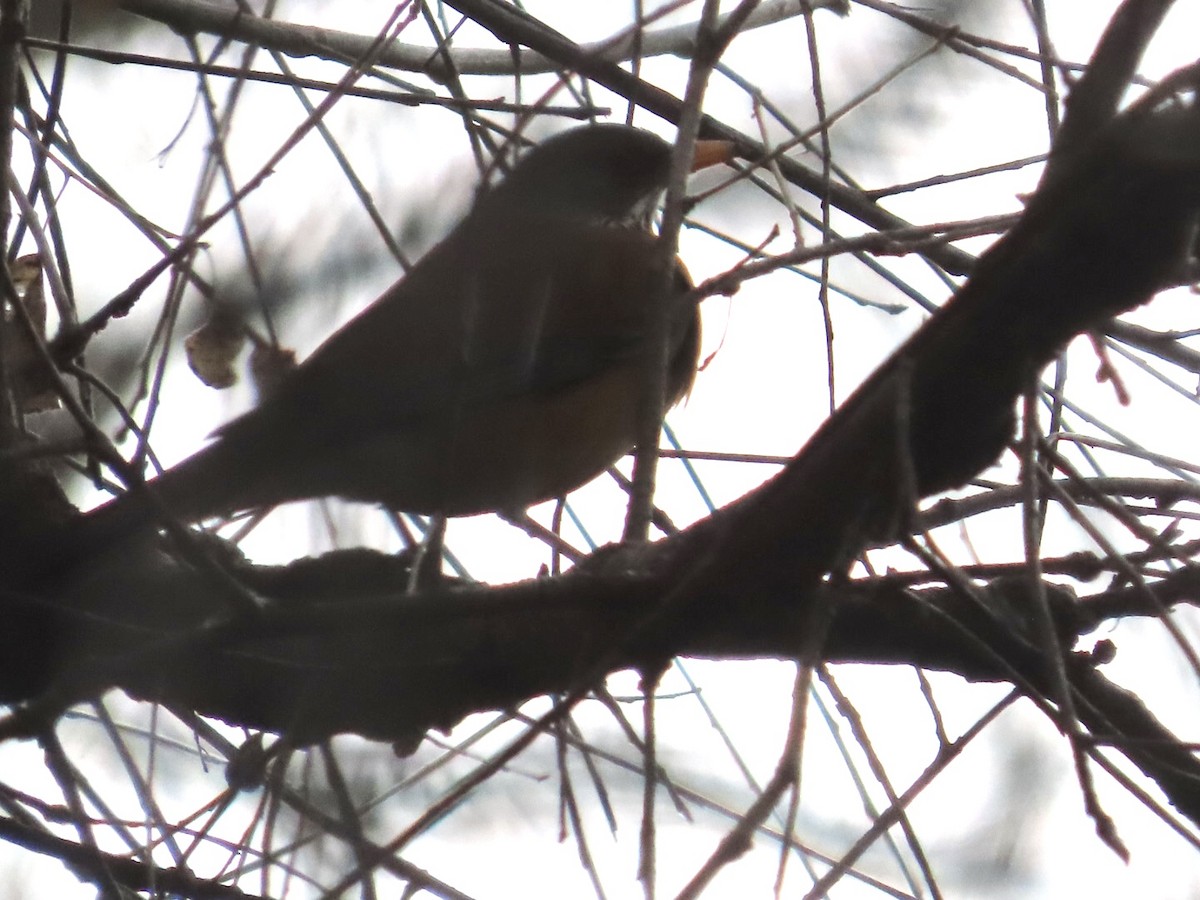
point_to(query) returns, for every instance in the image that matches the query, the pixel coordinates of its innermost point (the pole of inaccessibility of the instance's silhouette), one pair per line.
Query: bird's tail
(189, 492)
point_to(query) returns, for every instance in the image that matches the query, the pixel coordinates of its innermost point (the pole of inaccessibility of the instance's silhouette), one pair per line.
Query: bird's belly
(499, 455)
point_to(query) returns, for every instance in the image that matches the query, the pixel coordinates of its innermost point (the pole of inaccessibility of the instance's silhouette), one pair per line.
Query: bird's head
(603, 173)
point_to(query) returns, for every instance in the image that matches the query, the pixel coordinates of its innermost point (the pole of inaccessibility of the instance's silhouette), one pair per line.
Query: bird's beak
(711, 153)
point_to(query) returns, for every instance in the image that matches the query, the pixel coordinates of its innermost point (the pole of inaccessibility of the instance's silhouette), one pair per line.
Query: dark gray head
(604, 172)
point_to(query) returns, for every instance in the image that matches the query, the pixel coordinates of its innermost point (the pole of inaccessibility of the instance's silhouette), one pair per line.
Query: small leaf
(33, 385)
(270, 364)
(214, 346)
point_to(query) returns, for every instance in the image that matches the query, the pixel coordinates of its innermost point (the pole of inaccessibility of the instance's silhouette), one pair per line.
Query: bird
(505, 368)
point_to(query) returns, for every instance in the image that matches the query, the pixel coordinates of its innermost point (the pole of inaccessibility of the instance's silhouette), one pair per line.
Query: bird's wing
(464, 330)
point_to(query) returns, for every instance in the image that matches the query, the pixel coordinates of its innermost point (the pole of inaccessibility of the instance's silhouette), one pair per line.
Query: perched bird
(504, 369)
